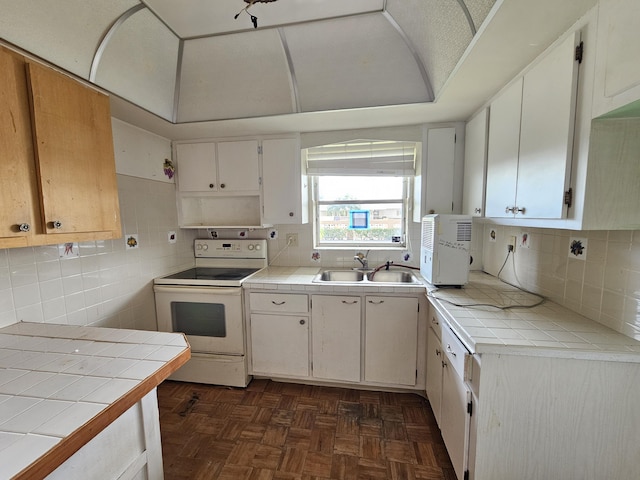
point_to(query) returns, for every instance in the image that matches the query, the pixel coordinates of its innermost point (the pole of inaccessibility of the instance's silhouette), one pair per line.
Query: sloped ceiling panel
(353, 62)
(479, 9)
(235, 76)
(139, 63)
(439, 43)
(66, 33)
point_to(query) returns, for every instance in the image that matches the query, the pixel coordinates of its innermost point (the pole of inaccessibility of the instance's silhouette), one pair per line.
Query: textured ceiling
(191, 61)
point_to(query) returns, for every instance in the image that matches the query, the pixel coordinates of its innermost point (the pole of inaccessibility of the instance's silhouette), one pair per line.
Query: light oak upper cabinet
(285, 194)
(19, 213)
(531, 139)
(74, 151)
(617, 73)
(57, 132)
(475, 164)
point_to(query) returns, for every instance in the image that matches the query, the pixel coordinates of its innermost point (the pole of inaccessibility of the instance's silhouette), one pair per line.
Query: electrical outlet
(511, 245)
(292, 239)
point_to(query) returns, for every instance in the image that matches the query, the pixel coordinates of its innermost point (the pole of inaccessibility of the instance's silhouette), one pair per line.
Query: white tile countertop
(301, 279)
(545, 330)
(58, 382)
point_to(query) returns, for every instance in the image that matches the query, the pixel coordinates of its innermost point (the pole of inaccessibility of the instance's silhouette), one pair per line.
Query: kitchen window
(361, 192)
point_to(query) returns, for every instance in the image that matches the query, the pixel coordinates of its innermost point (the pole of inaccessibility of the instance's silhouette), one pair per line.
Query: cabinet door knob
(57, 224)
(24, 227)
(449, 350)
(291, 214)
(478, 210)
(509, 210)
(222, 185)
(302, 322)
(211, 185)
(519, 210)
(437, 352)
(434, 321)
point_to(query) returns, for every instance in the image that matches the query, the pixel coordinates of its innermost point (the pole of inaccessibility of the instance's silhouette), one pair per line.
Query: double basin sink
(358, 276)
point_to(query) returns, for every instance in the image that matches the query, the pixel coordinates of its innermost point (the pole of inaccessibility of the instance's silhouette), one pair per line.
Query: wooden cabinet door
(475, 162)
(546, 132)
(280, 345)
(284, 190)
(197, 167)
(391, 340)
(18, 192)
(238, 166)
(335, 337)
(434, 373)
(503, 150)
(74, 151)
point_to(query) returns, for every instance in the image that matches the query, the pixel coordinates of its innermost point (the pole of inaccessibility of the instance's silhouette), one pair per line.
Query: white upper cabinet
(238, 166)
(284, 182)
(197, 170)
(475, 164)
(531, 138)
(617, 74)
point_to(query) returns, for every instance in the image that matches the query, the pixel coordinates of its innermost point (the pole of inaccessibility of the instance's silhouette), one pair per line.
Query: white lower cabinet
(335, 333)
(279, 326)
(391, 340)
(434, 372)
(337, 340)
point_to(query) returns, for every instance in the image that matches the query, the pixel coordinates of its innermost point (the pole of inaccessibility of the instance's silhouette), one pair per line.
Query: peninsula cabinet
(531, 138)
(59, 183)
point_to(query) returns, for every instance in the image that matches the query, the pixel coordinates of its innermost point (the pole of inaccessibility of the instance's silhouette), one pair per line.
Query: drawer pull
(449, 350)
(278, 303)
(352, 302)
(376, 303)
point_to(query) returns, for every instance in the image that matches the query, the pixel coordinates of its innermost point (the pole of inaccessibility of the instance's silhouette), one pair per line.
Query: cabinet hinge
(470, 408)
(568, 197)
(455, 138)
(259, 149)
(466, 475)
(418, 307)
(579, 52)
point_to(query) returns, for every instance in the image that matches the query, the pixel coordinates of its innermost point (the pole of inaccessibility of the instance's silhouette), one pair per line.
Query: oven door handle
(191, 289)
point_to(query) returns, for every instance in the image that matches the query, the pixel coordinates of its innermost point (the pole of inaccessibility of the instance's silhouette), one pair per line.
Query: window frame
(406, 202)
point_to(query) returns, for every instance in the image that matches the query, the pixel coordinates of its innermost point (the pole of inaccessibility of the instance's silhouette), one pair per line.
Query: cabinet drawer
(457, 354)
(436, 321)
(278, 302)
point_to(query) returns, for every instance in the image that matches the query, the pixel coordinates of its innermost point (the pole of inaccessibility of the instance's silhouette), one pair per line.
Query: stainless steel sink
(388, 276)
(341, 276)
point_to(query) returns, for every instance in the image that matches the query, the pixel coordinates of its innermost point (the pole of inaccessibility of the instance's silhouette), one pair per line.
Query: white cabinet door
(475, 162)
(238, 166)
(502, 155)
(546, 132)
(391, 337)
(197, 167)
(284, 186)
(454, 419)
(434, 373)
(617, 70)
(335, 337)
(280, 345)
(441, 146)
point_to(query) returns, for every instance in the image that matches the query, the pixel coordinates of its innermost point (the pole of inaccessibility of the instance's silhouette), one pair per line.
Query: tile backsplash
(599, 277)
(107, 283)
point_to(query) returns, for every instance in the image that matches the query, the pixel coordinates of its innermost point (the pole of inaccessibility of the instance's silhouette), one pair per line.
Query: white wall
(108, 284)
(603, 284)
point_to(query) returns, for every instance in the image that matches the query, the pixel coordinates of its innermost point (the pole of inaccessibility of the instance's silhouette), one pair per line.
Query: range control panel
(209, 248)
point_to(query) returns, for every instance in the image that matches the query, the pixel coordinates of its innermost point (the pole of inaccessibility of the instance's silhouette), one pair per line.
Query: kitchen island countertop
(61, 385)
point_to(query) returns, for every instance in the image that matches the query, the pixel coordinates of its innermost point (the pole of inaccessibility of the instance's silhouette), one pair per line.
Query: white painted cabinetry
(617, 73)
(335, 333)
(531, 138)
(475, 164)
(279, 331)
(284, 182)
(391, 337)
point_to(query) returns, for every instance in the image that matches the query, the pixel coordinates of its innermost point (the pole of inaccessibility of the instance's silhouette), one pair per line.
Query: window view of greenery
(380, 197)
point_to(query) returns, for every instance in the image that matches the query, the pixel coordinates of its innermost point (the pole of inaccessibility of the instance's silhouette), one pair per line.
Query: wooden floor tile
(280, 431)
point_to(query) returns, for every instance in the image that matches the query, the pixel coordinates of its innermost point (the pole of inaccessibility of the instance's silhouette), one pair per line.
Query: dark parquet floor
(271, 431)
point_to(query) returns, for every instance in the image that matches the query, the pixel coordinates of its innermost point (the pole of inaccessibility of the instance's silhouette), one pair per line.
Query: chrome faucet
(362, 258)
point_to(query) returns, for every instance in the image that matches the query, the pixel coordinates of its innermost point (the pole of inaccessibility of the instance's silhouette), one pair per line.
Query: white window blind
(362, 157)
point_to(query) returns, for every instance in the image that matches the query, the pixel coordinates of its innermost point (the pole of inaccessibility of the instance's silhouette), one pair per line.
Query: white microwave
(445, 249)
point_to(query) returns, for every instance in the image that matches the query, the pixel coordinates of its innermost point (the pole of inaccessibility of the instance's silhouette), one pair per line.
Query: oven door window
(199, 319)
